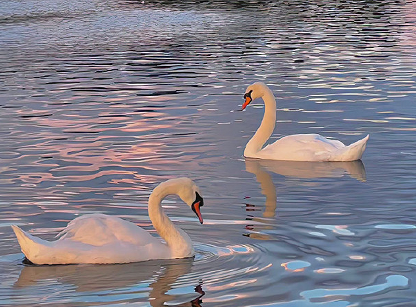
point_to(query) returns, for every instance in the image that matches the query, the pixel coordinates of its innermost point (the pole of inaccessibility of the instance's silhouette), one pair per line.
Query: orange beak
(246, 103)
(197, 211)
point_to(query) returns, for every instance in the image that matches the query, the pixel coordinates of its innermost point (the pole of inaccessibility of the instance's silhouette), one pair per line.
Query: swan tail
(31, 246)
(352, 152)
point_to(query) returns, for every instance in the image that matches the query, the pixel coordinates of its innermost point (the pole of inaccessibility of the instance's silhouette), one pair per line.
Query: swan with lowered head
(297, 147)
(100, 238)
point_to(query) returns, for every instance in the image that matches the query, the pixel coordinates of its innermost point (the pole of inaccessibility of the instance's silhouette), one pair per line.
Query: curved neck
(266, 127)
(177, 240)
(268, 189)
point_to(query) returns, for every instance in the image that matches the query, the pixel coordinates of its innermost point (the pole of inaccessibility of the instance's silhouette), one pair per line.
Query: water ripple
(100, 101)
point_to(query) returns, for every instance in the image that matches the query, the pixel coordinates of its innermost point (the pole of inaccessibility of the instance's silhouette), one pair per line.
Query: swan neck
(268, 189)
(266, 128)
(177, 240)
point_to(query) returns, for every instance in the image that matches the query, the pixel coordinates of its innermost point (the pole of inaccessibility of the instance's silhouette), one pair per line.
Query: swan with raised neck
(100, 238)
(297, 147)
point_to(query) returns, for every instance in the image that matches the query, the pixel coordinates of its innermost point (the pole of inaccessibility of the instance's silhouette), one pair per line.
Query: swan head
(254, 91)
(190, 194)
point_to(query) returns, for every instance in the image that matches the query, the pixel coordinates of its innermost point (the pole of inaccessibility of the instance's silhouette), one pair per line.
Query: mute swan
(100, 238)
(297, 147)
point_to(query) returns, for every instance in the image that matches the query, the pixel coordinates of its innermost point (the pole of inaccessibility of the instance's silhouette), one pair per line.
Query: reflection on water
(102, 100)
(255, 166)
(262, 168)
(137, 282)
(355, 169)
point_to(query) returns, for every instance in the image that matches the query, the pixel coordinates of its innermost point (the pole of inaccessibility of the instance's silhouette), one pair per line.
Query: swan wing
(301, 147)
(308, 141)
(101, 229)
(312, 147)
(80, 243)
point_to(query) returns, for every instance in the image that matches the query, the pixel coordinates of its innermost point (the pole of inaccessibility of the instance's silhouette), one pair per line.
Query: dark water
(102, 100)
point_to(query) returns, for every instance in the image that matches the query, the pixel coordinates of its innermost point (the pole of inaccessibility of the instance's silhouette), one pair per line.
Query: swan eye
(198, 199)
(248, 95)
(248, 99)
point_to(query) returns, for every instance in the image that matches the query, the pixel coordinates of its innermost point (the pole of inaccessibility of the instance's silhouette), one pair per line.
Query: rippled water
(102, 100)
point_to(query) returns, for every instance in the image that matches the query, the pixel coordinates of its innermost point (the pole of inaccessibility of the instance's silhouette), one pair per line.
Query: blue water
(102, 100)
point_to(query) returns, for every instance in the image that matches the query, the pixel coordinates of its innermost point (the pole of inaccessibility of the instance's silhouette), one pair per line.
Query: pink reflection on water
(408, 33)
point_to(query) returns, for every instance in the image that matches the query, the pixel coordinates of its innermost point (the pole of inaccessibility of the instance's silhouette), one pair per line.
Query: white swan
(297, 147)
(100, 238)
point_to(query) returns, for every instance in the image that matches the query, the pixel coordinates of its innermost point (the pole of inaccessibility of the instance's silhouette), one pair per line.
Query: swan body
(297, 147)
(100, 238)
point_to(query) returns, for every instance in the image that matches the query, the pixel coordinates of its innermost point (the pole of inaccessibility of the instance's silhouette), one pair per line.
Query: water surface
(102, 100)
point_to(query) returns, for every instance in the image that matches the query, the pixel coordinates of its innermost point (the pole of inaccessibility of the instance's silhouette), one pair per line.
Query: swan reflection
(155, 277)
(354, 169)
(262, 168)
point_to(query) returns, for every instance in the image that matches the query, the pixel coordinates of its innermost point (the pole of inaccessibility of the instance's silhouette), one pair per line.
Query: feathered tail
(30, 245)
(352, 152)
